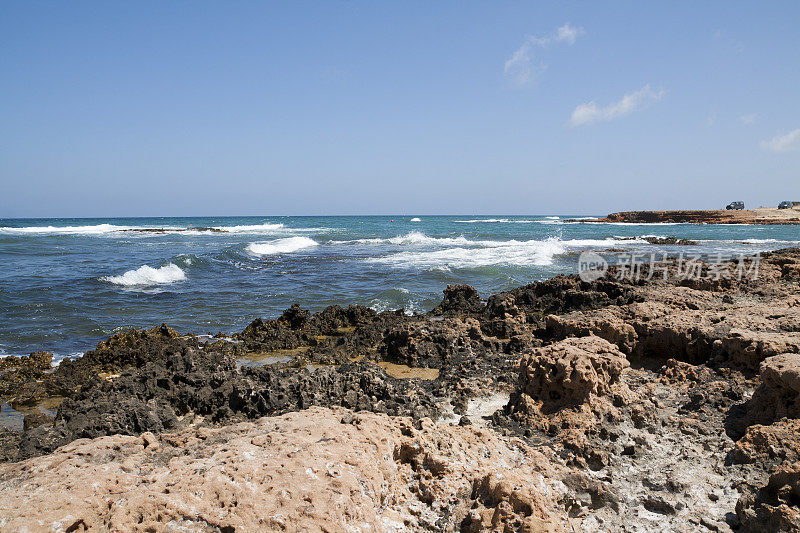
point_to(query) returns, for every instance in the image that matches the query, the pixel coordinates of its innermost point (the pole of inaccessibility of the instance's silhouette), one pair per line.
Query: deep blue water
(67, 283)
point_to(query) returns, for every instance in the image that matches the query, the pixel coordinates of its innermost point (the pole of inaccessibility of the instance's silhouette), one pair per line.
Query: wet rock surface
(646, 406)
(670, 240)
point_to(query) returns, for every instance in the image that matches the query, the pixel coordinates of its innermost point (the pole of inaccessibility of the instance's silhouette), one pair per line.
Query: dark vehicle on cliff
(785, 205)
(735, 205)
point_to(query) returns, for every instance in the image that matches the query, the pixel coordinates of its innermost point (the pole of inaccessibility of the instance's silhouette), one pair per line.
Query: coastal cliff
(762, 215)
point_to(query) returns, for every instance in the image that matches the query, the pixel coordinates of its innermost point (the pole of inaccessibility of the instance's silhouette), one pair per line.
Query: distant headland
(762, 215)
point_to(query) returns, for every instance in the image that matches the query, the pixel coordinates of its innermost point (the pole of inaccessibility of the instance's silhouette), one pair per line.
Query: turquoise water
(67, 283)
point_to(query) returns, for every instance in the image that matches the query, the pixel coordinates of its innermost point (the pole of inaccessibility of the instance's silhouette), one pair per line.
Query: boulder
(777, 397)
(459, 300)
(748, 349)
(571, 371)
(601, 323)
(775, 506)
(425, 343)
(776, 443)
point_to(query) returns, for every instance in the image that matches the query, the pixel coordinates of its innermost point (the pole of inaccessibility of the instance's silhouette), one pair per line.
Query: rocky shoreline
(761, 216)
(561, 405)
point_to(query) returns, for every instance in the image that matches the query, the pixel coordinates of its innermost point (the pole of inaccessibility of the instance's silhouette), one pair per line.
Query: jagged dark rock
(459, 300)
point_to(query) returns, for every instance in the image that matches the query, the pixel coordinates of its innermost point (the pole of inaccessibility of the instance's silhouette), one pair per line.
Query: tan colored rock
(777, 397)
(775, 506)
(679, 373)
(749, 348)
(691, 325)
(314, 470)
(569, 372)
(782, 371)
(601, 323)
(776, 442)
(569, 384)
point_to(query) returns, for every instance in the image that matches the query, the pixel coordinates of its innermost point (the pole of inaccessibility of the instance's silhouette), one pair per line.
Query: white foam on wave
(582, 243)
(57, 358)
(98, 229)
(416, 238)
(760, 241)
(146, 276)
(494, 253)
(103, 229)
(281, 246)
(415, 219)
(510, 253)
(494, 221)
(412, 238)
(391, 302)
(252, 228)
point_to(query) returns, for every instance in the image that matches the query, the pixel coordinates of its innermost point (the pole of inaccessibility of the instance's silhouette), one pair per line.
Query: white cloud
(783, 143)
(591, 113)
(711, 120)
(748, 119)
(520, 67)
(568, 33)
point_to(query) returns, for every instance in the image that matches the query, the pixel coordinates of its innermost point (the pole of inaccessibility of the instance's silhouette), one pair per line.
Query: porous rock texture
(777, 397)
(775, 506)
(314, 470)
(569, 372)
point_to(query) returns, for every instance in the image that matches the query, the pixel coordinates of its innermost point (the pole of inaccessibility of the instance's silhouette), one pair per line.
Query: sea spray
(281, 246)
(147, 275)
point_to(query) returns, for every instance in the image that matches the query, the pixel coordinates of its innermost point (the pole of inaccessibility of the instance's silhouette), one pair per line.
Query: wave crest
(477, 254)
(253, 228)
(103, 229)
(147, 275)
(281, 246)
(511, 253)
(494, 221)
(412, 238)
(97, 229)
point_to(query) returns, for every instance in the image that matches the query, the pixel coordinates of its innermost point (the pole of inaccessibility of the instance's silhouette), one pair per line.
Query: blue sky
(344, 107)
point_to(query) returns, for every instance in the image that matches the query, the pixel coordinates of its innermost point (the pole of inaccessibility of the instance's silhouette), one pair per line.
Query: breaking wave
(253, 228)
(495, 221)
(493, 253)
(761, 241)
(98, 229)
(394, 299)
(416, 238)
(281, 246)
(146, 276)
(511, 253)
(103, 229)
(413, 238)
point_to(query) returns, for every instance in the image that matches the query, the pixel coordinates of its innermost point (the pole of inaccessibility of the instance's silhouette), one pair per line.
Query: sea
(66, 284)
